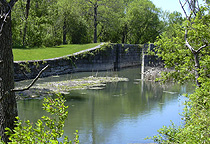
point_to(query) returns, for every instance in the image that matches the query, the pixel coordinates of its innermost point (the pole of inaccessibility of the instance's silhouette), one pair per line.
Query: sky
(169, 5)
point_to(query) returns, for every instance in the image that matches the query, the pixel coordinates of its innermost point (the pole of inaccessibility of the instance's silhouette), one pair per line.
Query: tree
(8, 105)
(199, 39)
(26, 20)
(170, 20)
(143, 21)
(75, 27)
(36, 23)
(111, 21)
(99, 14)
(186, 48)
(188, 53)
(91, 7)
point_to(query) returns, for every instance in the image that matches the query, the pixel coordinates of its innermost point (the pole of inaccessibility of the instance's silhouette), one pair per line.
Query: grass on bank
(25, 54)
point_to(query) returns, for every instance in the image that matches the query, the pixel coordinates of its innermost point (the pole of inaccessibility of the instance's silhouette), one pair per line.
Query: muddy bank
(151, 73)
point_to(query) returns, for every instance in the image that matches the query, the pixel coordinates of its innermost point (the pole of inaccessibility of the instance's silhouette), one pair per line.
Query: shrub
(47, 129)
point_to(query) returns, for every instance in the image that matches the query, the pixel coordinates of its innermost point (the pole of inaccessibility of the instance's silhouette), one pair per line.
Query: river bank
(152, 73)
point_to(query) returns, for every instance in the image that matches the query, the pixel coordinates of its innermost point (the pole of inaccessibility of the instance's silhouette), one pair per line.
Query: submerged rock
(65, 87)
(84, 83)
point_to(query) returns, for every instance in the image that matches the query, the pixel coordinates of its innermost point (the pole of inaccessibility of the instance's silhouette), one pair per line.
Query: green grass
(25, 54)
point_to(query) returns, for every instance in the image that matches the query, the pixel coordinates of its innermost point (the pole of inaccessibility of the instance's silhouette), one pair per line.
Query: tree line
(55, 22)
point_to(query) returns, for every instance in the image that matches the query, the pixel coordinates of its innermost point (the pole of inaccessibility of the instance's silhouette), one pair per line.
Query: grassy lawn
(24, 54)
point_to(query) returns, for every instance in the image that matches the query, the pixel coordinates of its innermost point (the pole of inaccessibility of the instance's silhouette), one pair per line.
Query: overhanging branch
(32, 83)
(27, 88)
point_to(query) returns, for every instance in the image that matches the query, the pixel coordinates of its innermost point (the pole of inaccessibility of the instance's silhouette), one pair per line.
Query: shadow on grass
(27, 48)
(42, 47)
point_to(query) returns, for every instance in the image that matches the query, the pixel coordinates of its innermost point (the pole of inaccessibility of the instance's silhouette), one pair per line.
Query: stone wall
(100, 58)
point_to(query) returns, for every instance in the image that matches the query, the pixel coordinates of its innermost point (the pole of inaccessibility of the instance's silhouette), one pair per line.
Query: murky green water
(121, 113)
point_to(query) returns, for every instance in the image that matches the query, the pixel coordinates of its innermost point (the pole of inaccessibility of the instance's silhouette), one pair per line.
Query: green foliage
(51, 22)
(25, 67)
(176, 55)
(74, 26)
(170, 22)
(41, 27)
(77, 29)
(167, 134)
(143, 21)
(47, 129)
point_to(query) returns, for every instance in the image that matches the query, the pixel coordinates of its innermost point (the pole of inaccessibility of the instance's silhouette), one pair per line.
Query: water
(121, 113)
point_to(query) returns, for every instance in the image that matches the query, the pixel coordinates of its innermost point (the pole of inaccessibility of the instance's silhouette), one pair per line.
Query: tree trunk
(26, 21)
(124, 34)
(197, 68)
(95, 22)
(64, 31)
(8, 105)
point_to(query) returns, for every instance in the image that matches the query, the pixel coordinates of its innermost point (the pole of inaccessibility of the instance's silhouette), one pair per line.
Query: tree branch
(190, 47)
(32, 83)
(12, 3)
(182, 5)
(90, 1)
(201, 48)
(187, 43)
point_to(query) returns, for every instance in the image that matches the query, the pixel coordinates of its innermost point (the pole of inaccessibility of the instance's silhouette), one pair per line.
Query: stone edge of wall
(112, 57)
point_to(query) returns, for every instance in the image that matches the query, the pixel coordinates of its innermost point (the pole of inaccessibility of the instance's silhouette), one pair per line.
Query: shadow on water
(122, 112)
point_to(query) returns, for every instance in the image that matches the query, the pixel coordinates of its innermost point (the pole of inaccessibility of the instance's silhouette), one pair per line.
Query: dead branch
(182, 5)
(32, 83)
(27, 88)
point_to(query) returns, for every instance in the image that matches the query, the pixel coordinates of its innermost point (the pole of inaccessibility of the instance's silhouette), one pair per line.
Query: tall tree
(75, 28)
(26, 20)
(36, 23)
(8, 106)
(170, 20)
(98, 12)
(111, 22)
(90, 8)
(143, 21)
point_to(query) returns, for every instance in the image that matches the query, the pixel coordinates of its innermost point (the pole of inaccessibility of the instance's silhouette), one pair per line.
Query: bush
(47, 129)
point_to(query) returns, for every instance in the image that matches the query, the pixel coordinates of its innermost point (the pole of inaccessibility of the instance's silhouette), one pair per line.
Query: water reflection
(123, 112)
